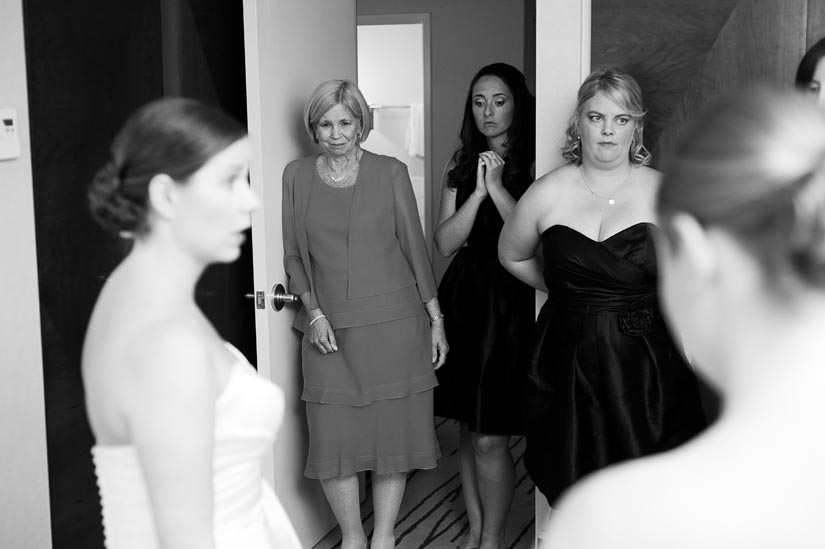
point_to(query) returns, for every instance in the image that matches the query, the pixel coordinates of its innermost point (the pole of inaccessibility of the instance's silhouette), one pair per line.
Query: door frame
(290, 47)
(562, 64)
(25, 515)
(422, 19)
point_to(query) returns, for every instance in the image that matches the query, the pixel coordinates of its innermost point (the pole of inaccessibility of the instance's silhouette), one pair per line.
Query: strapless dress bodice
(246, 510)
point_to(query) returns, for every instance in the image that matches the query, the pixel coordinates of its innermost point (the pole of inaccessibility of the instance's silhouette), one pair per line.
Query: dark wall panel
(89, 64)
(762, 42)
(684, 54)
(663, 44)
(816, 22)
(203, 57)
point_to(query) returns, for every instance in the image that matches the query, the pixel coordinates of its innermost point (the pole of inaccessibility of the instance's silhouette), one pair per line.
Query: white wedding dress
(247, 513)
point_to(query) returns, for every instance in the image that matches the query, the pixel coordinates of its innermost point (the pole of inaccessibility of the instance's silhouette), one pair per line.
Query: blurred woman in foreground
(181, 420)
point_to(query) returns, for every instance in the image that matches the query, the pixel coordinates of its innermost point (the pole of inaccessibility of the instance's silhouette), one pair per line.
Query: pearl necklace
(610, 199)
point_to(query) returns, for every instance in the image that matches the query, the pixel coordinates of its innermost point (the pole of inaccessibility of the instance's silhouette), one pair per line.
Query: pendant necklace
(348, 170)
(331, 176)
(610, 199)
(331, 173)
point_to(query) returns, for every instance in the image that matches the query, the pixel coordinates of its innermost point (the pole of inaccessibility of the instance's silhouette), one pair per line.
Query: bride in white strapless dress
(181, 420)
(247, 512)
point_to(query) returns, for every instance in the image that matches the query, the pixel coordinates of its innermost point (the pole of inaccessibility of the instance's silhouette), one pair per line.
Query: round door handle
(279, 296)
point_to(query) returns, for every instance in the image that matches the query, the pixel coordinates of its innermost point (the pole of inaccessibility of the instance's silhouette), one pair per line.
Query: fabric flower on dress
(636, 318)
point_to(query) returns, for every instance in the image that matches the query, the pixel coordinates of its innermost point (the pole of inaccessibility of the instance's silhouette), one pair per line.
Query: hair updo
(175, 137)
(807, 66)
(754, 165)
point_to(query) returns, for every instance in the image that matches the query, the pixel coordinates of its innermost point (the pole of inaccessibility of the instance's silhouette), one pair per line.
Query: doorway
(393, 58)
(88, 66)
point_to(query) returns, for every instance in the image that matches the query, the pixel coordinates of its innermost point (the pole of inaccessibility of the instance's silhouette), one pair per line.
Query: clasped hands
(488, 172)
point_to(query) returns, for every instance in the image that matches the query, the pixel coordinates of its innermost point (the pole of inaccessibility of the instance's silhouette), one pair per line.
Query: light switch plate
(9, 135)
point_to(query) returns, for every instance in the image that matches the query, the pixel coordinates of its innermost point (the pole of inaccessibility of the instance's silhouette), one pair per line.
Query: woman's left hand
(439, 344)
(494, 166)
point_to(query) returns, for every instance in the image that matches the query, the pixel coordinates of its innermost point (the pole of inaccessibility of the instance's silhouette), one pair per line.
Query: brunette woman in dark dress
(606, 381)
(489, 314)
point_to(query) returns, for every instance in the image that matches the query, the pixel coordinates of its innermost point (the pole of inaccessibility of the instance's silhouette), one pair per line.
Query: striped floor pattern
(432, 514)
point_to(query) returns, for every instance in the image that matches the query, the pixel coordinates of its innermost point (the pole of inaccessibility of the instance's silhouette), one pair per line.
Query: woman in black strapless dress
(606, 382)
(489, 314)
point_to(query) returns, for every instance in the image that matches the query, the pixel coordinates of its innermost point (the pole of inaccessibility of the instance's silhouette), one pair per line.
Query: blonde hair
(623, 90)
(330, 93)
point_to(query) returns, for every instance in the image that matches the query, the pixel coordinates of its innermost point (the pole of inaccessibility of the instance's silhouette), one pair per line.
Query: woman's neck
(498, 144)
(165, 268)
(600, 170)
(341, 162)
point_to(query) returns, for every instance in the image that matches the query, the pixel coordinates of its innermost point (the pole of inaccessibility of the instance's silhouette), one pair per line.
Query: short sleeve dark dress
(606, 382)
(489, 319)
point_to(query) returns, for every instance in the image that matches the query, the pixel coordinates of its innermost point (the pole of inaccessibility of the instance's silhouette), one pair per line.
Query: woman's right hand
(481, 186)
(322, 336)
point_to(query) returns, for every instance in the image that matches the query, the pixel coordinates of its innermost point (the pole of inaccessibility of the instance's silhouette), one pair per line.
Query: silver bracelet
(316, 318)
(435, 318)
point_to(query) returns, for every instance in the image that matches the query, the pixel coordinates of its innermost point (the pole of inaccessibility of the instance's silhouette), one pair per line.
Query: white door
(291, 46)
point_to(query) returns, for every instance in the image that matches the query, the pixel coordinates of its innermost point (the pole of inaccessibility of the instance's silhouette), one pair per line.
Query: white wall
(391, 77)
(562, 63)
(391, 63)
(24, 492)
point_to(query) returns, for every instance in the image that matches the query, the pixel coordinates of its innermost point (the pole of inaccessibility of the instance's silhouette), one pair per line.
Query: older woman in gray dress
(373, 331)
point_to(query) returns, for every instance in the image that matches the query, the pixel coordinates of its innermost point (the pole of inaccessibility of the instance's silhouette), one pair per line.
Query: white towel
(414, 140)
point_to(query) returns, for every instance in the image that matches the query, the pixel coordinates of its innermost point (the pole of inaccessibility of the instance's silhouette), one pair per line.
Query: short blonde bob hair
(330, 93)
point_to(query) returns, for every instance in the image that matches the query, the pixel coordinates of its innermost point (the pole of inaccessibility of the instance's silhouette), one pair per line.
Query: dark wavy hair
(175, 137)
(805, 71)
(521, 136)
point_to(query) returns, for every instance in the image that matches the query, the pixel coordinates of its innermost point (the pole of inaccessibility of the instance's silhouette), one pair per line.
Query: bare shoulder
(448, 167)
(649, 177)
(551, 184)
(593, 513)
(611, 504)
(175, 352)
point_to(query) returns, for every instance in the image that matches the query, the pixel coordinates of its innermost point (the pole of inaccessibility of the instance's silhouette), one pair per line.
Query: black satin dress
(606, 382)
(489, 318)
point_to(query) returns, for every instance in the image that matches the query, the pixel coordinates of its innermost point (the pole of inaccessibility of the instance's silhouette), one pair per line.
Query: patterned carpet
(432, 514)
